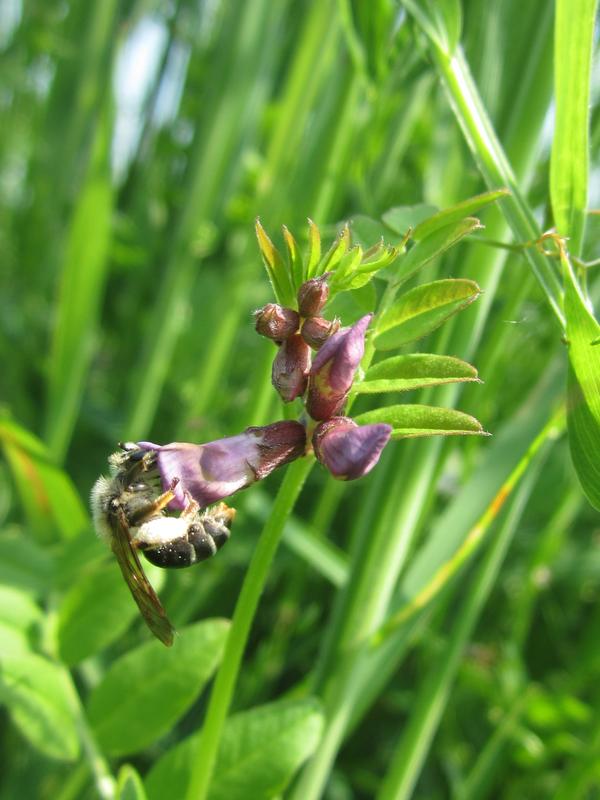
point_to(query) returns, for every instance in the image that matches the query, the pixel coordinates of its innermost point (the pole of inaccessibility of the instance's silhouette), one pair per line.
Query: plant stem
(431, 699)
(473, 539)
(495, 167)
(252, 588)
(98, 766)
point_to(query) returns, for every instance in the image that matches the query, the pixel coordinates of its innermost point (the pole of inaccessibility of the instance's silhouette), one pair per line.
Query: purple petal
(347, 450)
(333, 370)
(213, 471)
(290, 368)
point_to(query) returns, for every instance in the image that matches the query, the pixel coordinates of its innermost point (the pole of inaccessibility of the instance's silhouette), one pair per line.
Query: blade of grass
(211, 160)
(472, 541)
(494, 165)
(433, 694)
(81, 290)
(308, 72)
(479, 781)
(569, 164)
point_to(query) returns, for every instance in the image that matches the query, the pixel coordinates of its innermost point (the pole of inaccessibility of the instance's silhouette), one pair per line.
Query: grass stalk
(495, 168)
(252, 588)
(408, 759)
(475, 536)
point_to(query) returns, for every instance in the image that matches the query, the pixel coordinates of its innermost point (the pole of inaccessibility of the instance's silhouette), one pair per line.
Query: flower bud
(290, 368)
(276, 322)
(316, 330)
(213, 471)
(333, 369)
(313, 295)
(348, 450)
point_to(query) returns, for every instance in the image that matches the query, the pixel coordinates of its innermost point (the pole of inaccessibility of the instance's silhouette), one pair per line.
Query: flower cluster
(316, 361)
(347, 450)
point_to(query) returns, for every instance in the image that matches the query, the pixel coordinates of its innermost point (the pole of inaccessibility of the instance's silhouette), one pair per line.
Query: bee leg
(191, 506)
(155, 507)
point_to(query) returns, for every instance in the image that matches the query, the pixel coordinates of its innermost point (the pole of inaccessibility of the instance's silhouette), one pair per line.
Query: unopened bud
(333, 369)
(313, 295)
(348, 450)
(290, 368)
(276, 322)
(316, 330)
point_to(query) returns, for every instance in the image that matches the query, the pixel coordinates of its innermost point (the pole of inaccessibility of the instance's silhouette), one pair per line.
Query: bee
(129, 514)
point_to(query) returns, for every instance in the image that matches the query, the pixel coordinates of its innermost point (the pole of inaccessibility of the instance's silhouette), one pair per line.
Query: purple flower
(212, 471)
(290, 368)
(348, 450)
(276, 322)
(333, 369)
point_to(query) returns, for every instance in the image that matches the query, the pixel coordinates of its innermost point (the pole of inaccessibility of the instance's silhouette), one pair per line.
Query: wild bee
(129, 513)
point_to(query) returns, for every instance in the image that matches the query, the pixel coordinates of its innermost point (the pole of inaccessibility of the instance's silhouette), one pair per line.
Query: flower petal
(347, 450)
(213, 471)
(333, 370)
(290, 368)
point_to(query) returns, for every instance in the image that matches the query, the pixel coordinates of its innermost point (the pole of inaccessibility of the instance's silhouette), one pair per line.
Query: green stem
(434, 692)
(475, 536)
(495, 167)
(98, 766)
(254, 582)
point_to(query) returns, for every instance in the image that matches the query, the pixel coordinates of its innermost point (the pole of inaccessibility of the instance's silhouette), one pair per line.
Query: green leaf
(47, 494)
(276, 269)
(366, 230)
(422, 310)
(81, 290)
(401, 219)
(456, 213)
(18, 608)
(145, 692)
(296, 266)
(333, 257)
(41, 701)
(569, 163)
(13, 641)
(583, 407)
(260, 751)
(409, 421)
(404, 373)
(352, 305)
(95, 611)
(129, 784)
(314, 249)
(440, 19)
(346, 268)
(24, 564)
(432, 246)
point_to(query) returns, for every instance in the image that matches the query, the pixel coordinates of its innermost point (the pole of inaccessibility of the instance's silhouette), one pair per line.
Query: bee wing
(139, 585)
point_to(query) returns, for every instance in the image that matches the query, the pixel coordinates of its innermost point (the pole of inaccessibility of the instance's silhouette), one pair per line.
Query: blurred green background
(139, 141)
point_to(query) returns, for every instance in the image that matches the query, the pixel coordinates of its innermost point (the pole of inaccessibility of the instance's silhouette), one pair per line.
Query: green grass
(429, 631)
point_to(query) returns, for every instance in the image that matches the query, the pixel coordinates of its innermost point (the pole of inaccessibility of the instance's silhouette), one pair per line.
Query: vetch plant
(400, 647)
(325, 386)
(130, 511)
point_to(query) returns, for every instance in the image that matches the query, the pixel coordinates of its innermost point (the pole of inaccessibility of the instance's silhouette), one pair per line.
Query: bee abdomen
(176, 554)
(200, 541)
(217, 530)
